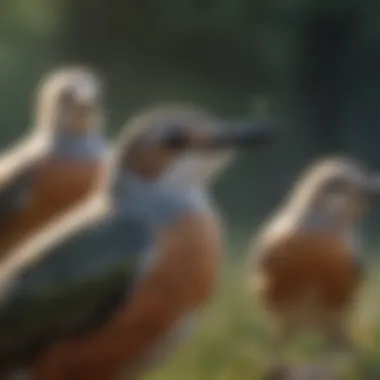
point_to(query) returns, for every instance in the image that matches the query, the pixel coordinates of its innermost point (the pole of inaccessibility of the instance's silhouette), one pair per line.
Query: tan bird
(60, 161)
(305, 265)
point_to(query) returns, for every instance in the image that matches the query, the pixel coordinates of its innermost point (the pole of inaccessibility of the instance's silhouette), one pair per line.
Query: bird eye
(176, 140)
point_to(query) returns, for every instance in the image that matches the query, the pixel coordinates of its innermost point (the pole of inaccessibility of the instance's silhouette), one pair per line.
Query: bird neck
(129, 185)
(86, 145)
(132, 193)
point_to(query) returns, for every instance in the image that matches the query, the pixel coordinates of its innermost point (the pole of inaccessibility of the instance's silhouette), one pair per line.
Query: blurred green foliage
(313, 64)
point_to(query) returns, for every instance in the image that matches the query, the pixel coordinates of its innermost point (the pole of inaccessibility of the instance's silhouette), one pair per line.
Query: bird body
(131, 253)
(55, 183)
(308, 277)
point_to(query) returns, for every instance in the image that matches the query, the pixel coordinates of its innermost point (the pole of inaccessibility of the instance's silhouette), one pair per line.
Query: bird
(305, 263)
(59, 162)
(110, 284)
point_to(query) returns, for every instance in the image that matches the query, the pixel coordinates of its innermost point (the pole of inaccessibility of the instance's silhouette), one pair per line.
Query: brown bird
(60, 162)
(305, 264)
(120, 279)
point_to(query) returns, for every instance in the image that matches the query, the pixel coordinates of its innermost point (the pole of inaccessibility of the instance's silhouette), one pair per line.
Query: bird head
(184, 145)
(69, 102)
(339, 188)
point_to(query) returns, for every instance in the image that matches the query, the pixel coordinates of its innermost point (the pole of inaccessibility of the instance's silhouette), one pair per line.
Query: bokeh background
(313, 64)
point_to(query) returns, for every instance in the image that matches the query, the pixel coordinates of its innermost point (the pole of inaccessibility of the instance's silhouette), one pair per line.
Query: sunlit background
(312, 64)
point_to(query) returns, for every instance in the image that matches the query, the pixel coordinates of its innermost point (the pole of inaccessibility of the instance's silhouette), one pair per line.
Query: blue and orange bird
(305, 263)
(106, 288)
(60, 162)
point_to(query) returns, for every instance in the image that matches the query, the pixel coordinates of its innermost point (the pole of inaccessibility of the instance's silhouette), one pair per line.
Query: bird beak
(232, 135)
(239, 134)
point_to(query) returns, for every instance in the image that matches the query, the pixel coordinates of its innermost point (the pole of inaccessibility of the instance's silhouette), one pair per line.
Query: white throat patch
(195, 169)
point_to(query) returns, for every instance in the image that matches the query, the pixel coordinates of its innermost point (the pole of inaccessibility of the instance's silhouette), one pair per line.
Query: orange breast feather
(297, 265)
(57, 186)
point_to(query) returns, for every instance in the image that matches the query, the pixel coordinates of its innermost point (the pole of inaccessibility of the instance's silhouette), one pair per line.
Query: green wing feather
(74, 288)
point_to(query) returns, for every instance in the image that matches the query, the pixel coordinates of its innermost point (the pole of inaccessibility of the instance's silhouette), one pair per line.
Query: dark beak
(232, 135)
(240, 134)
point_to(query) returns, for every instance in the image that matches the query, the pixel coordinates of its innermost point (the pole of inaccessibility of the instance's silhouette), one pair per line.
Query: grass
(232, 343)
